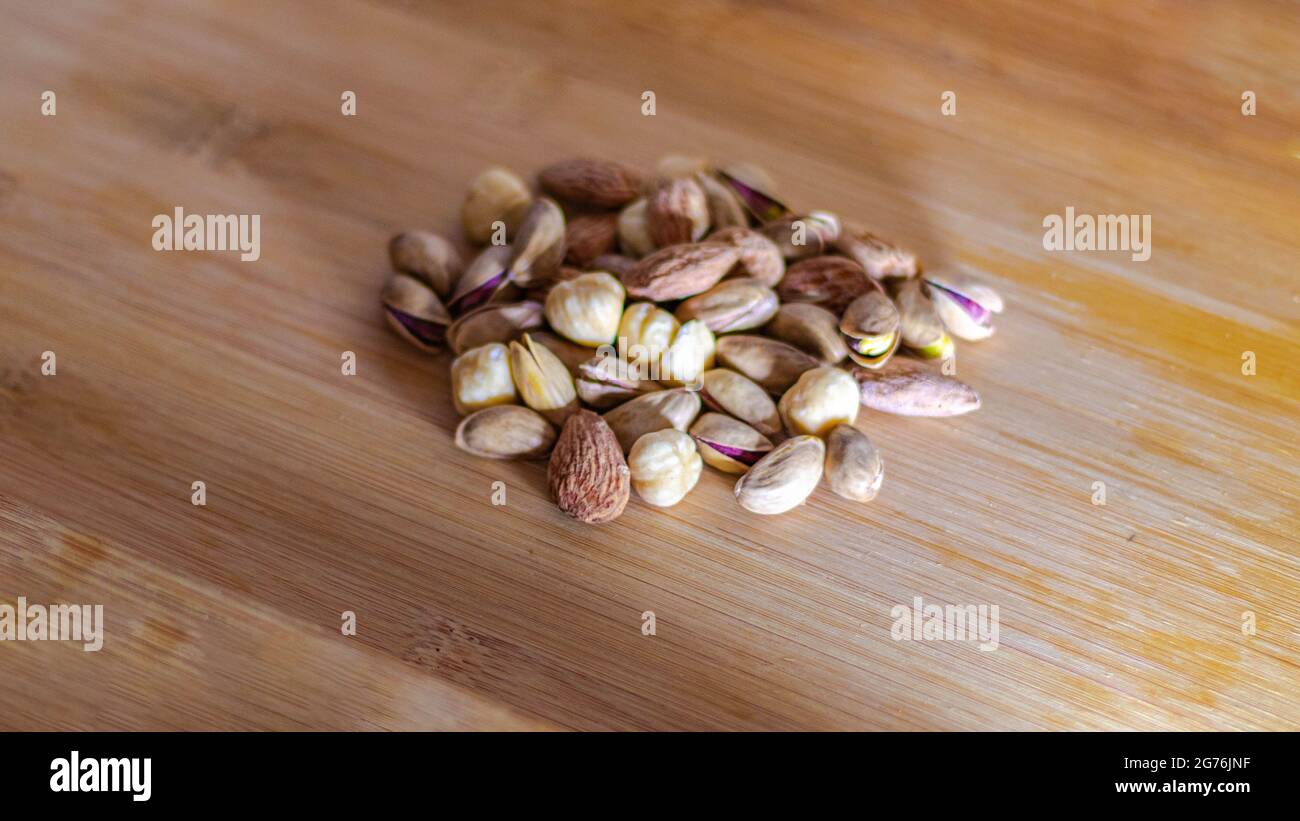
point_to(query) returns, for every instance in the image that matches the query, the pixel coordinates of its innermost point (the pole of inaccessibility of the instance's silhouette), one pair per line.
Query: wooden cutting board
(1173, 605)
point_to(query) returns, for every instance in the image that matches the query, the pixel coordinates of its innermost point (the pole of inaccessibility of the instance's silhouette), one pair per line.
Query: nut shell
(677, 212)
(854, 468)
(783, 479)
(731, 305)
(909, 388)
(728, 444)
(728, 392)
(495, 194)
(427, 256)
(773, 364)
(832, 282)
(593, 182)
(810, 328)
(505, 432)
(675, 408)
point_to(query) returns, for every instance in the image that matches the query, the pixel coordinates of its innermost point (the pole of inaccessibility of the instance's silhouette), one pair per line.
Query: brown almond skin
(832, 282)
(598, 183)
(677, 212)
(588, 236)
(909, 387)
(680, 271)
(588, 476)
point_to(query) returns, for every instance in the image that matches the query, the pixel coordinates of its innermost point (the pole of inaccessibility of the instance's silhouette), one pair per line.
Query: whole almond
(587, 236)
(677, 212)
(909, 388)
(760, 257)
(680, 271)
(598, 183)
(616, 264)
(588, 476)
(832, 282)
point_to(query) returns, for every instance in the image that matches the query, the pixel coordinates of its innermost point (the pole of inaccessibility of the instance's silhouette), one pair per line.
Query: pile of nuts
(705, 321)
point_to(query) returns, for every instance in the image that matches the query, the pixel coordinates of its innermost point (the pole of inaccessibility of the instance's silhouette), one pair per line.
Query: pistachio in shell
(506, 432)
(426, 256)
(755, 190)
(538, 246)
(870, 328)
(486, 279)
(773, 364)
(724, 207)
(571, 354)
(919, 326)
(728, 392)
(496, 194)
(633, 229)
(544, 383)
(731, 305)
(783, 479)
(966, 308)
(760, 258)
(810, 328)
(728, 444)
(607, 380)
(854, 469)
(880, 259)
(802, 237)
(495, 322)
(414, 311)
(673, 408)
(909, 388)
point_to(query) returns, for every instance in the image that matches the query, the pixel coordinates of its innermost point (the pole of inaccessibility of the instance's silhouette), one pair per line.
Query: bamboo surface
(329, 493)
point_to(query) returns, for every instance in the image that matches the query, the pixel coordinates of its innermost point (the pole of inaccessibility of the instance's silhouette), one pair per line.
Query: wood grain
(329, 493)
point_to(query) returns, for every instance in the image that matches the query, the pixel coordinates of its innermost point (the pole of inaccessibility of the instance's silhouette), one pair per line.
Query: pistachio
(485, 280)
(731, 305)
(647, 331)
(616, 264)
(724, 207)
(496, 194)
(811, 328)
(597, 183)
(607, 380)
(414, 311)
(680, 271)
(675, 408)
(497, 322)
(755, 190)
(783, 479)
(909, 388)
(854, 468)
(588, 236)
(760, 258)
(538, 247)
(966, 308)
(918, 322)
(665, 466)
(728, 392)
(587, 309)
(634, 229)
(480, 378)
(804, 237)
(689, 356)
(878, 258)
(832, 282)
(728, 444)
(677, 212)
(426, 256)
(505, 432)
(822, 398)
(543, 381)
(671, 166)
(870, 327)
(773, 364)
(587, 475)
(573, 356)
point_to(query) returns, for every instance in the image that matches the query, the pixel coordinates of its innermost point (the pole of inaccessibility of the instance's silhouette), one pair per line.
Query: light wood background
(329, 493)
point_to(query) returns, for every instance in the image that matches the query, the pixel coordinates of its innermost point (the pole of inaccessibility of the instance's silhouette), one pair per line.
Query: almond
(832, 282)
(677, 212)
(587, 236)
(679, 271)
(598, 183)
(588, 476)
(760, 257)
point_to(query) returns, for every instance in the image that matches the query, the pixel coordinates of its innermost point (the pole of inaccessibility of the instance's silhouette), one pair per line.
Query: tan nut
(543, 381)
(426, 256)
(665, 466)
(677, 212)
(588, 236)
(538, 246)
(588, 476)
(586, 309)
(505, 432)
(760, 258)
(731, 305)
(822, 398)
(728, 392)
(832, 282)
(773, 364)
(676, 408)
(597, 183)
(854, 468)
(728, 444)
(783, 479)
(495, 195)
(680, 271)
(634, 229)
(909, 388)
(870, 328)
(480, 378)
(414, 311)
(485, 280)
(919, 326)
(495, 322)
(880, 259)
(810, 328)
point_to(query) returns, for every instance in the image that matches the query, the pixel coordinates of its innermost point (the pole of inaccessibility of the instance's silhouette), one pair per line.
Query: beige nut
(634, 229)
(586, 309)
(870, 327)
(810, 328)
(495, 195)
(480, 378)
(773, 364)
(919, 326)
(909, 388)
(415, 313)
(760, 258)
(607, 379)
(677, 212)
(965, 307)
(728, 444)
(689, 356)
(665, 466)
(878, 258)
(731, 305)
(728, 392)
(854, 468)
(675, 408)
(486, 279)
(783, 479)
(426, 256)
(680, 271)
(832, 282)
(496, 322)
(538, 247)
(755, 190)
(822, 398)
(544, 383)
(506, 432)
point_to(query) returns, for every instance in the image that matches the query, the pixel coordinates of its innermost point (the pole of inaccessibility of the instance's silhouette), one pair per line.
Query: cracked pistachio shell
(878, 258)
(497, 322)
(414, 311)
(759, 257)
(822, 398)
(755, 190)
(689, 356)
(731, 305)
(728, 392)
(538, 247)
(909, 388)
(665, 466)
(480, 378)
(773, 364)
(728, 444)
(634, 229)
(426, 256)
(870, 328)
(804, 237)
(854, 468)
(646, 331)
(810, 328)
(495, 194)
(725, 208)
(919, 327)
(572, 355)
(586, 309)
(607, 380)
(966, 308)
(485, 280)
(543, 382)
(675, 408)
(506, 432)
(783, 479)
